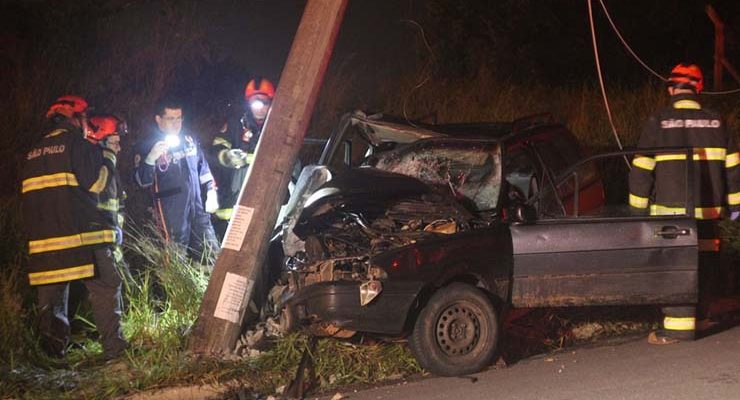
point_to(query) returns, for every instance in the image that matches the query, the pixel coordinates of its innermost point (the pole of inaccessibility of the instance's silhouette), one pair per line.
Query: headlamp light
(257, 105)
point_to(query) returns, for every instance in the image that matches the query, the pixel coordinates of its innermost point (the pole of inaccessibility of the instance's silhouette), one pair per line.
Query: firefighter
(232, 150)
(69, 238)
(105, 131)
(657, 185)
(172, 164)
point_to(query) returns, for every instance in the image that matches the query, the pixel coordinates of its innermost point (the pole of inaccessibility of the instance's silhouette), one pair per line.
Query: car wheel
(457, 332)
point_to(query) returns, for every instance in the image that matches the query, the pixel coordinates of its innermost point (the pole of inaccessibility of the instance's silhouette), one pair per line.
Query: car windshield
(471, 171)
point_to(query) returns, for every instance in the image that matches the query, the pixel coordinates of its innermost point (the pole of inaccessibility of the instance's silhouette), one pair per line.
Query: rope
(601, 77)
(638, 59)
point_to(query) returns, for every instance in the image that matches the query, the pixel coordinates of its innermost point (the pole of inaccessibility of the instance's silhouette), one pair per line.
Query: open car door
(609, 255)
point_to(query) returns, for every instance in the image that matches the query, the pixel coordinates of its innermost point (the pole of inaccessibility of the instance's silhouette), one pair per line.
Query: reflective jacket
(111, 197)
(62, 177)
(229, 178)
(657, 181)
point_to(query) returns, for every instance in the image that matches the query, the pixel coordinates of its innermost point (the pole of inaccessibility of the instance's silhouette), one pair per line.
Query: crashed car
(434, 231)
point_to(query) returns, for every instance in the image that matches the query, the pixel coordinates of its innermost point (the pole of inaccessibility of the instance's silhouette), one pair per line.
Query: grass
(162, 302)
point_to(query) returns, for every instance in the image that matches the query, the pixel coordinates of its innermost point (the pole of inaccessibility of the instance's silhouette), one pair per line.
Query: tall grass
(162, 299)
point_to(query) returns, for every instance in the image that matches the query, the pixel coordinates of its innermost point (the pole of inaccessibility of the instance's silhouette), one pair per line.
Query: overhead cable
(627, 46)
(601, 77)
(640, 61)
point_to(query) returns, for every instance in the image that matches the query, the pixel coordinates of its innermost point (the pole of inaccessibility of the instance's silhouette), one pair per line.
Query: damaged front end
(332, 270)
(352, 231)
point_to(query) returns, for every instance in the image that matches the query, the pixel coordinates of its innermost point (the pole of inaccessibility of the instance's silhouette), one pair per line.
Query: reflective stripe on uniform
(700, 154)
(55, 132)
(205, 178)
(222, 158)
(61, 275)
(699, 212)
(733, 199)
(670, 157)
(638, 202)
(49, 181)
(99, 185)
(709, 245)
(110, 156)
(71, 241)
(679, 324)
(224, 213)
(687, 105)
(732, 160)
(219, 141)
(643, 162)
(110, 205)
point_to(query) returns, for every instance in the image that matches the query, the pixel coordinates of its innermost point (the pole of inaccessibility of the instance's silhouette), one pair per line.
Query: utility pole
(719, 45)
(245, 245)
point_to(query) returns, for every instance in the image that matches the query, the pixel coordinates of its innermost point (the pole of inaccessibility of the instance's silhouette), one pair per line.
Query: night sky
(522, 38)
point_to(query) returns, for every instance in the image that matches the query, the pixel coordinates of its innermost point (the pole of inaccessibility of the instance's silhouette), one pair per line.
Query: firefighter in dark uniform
(69, 238)
(173, 165)
(657, 182)
(105, 131)
(232, 150)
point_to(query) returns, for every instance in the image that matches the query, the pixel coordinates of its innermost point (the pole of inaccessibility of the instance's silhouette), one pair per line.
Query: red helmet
(259, 86)
(102, 126)
(69, 106)
(687, 76)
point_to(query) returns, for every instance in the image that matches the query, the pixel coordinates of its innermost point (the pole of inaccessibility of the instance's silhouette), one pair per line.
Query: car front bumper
(338, 303)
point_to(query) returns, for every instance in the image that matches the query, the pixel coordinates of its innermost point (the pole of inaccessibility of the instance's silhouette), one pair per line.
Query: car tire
(457, 331)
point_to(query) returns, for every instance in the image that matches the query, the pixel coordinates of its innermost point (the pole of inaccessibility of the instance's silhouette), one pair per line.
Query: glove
(734, 215)
(237, 158)
(211, 201)
(157, 150)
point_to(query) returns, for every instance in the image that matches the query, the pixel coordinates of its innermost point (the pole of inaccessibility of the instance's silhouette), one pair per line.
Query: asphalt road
(708, 368)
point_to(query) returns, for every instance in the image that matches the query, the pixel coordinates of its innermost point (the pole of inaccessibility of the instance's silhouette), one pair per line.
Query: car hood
(318, 185)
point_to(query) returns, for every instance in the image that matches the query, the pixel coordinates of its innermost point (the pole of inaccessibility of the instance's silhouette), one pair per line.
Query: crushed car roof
(381, 128)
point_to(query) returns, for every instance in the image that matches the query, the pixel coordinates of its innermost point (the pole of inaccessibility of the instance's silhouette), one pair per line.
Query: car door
(608, 257)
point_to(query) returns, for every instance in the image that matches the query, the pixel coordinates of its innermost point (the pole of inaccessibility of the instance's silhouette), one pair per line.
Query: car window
(602, 187)
(354, 147)
(471, 171)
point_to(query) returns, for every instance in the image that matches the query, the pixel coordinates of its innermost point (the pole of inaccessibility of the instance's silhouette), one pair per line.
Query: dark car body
(395, 211)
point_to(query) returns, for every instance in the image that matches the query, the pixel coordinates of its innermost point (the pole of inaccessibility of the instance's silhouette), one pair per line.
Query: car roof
(381, 128)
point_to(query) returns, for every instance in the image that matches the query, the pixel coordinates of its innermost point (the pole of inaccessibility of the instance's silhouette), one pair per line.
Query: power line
(627, 46)
(638, 59)
(601, 77)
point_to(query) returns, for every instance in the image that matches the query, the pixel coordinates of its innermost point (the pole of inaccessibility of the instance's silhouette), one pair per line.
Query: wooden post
(719, 45)
(245, 245)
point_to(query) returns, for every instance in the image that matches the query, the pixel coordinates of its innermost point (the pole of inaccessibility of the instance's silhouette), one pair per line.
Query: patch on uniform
(690, 123)
(137, 161)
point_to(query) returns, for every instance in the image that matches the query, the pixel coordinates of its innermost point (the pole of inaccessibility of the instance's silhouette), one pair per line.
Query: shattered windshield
(471, 171)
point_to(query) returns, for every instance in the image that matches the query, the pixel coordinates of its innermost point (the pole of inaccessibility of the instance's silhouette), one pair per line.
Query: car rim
(458, 330)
